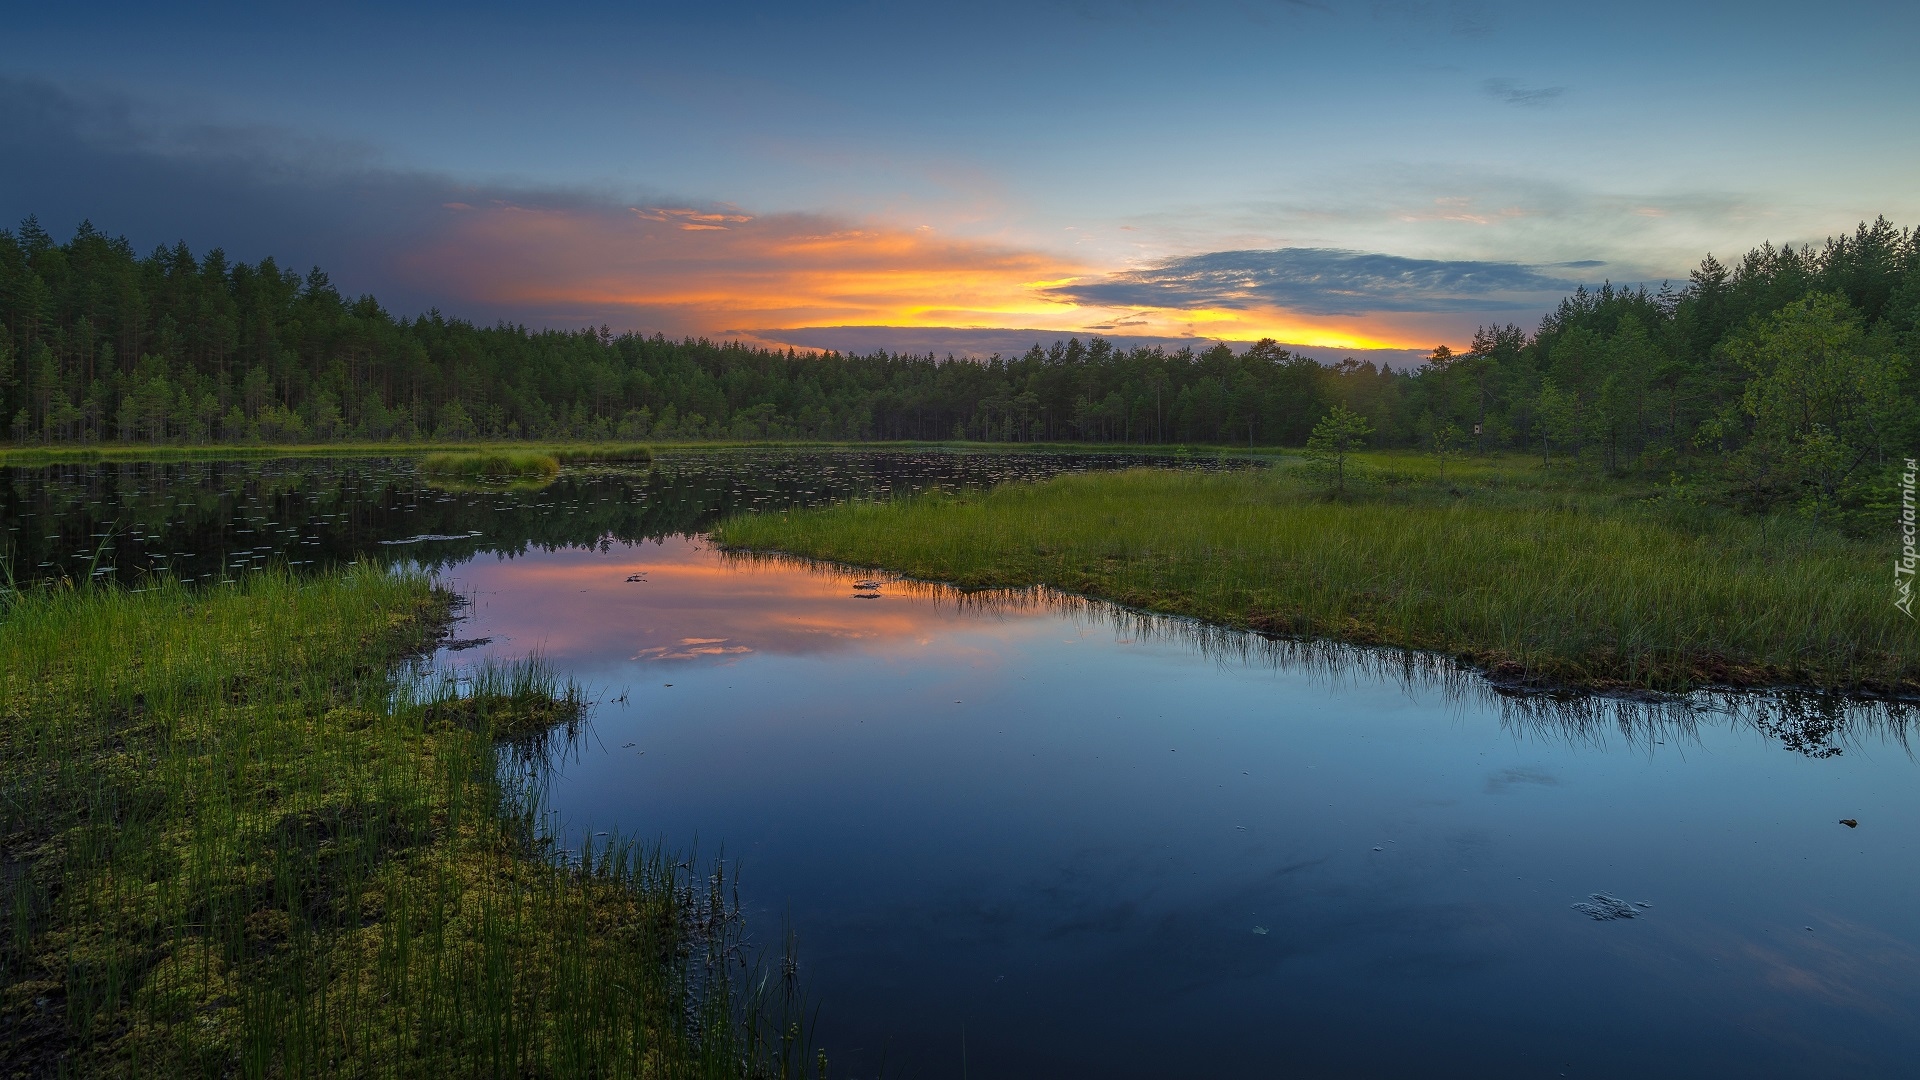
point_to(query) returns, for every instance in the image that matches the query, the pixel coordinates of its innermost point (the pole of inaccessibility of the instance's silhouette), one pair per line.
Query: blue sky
(759, 168)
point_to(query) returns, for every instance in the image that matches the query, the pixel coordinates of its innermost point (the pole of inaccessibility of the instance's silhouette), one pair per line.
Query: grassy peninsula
(1543, 576)
(237, 838)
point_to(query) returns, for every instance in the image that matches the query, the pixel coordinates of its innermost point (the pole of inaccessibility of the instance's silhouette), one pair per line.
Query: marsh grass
(1539, 578)
(240, 835)
(522, 465)
(601, 454)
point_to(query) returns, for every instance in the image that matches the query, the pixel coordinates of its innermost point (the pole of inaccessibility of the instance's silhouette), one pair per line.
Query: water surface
(1046, 838)
(1024, 836)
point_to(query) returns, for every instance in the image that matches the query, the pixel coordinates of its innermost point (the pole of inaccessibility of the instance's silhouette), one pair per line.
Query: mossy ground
(238, 838)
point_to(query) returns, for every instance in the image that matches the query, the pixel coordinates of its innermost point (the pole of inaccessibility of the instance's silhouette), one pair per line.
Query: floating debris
(1603, 908)
(1261, 930)
(636, 577)
(466, 643)
(866, 584)
(1849, 823)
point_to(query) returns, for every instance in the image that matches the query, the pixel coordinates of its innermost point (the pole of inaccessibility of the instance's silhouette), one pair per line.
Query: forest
(1786, 370)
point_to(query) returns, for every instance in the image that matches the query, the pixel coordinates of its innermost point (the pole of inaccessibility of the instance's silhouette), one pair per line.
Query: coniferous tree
(100, 344)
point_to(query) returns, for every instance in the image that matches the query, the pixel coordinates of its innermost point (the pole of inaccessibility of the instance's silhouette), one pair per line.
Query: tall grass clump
(237, 837)
(491, 465)
(605, 454)
(1544, 579)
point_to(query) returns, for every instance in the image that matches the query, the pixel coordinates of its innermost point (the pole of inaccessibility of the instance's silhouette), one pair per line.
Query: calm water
(1022, 836)
(212, 522)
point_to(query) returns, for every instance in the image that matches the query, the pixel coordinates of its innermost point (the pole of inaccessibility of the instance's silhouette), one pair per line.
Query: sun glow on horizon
(738, 274)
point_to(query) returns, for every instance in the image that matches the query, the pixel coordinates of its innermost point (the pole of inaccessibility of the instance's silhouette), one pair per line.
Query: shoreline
(245, 831)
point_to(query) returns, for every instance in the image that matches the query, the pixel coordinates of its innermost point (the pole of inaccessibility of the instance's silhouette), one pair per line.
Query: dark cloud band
(978, 342)
(1322, 281)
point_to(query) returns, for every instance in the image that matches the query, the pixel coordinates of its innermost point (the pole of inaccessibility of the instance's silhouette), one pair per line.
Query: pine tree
(1334, 440)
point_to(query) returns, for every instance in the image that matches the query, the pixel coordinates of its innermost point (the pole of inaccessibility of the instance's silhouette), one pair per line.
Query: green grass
(238, 838)
(491, 465)
(1543, 577)
(611, 454)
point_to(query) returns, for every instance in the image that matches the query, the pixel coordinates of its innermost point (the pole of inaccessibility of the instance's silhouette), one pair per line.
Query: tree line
(101, 344)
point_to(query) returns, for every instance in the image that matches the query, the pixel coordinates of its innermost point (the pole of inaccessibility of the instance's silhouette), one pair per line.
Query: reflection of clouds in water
(700, 604)
(1842, 963)
(695, 604)
(692, 648)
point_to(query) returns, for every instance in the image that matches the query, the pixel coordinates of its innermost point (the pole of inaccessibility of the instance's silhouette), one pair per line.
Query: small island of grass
(491, 465)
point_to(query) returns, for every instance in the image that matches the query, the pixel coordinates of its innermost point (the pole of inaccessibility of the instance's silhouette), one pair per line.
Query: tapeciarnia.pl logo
(1903, 566)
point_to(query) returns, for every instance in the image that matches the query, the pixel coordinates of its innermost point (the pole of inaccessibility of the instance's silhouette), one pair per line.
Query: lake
(1025, 835)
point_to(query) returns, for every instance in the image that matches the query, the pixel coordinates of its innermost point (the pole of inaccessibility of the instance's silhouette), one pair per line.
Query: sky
(969, 178)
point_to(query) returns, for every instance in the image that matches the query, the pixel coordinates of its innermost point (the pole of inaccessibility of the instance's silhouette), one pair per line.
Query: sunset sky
(969, 177)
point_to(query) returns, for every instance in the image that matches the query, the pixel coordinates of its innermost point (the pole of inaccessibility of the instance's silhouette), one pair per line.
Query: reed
(241, 835)
(1543, 578)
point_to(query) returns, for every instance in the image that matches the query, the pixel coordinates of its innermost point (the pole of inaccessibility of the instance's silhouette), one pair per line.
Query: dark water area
(1025, 835)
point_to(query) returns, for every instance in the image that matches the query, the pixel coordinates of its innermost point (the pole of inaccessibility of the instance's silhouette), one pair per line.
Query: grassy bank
(1536, 576)
(237, 839)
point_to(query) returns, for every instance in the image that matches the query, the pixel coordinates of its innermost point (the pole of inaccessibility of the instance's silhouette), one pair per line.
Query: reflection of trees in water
(1807, 722)
(194, 519)
(191, 518)
(1823, 725)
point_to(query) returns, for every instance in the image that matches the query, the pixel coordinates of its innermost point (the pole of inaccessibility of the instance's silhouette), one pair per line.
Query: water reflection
(1106, 843)
(1812, 723)
(206, 522)
(1085, 841)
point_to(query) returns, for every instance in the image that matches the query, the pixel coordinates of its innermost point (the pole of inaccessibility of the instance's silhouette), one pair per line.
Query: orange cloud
(688, 219)
(723, 272)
